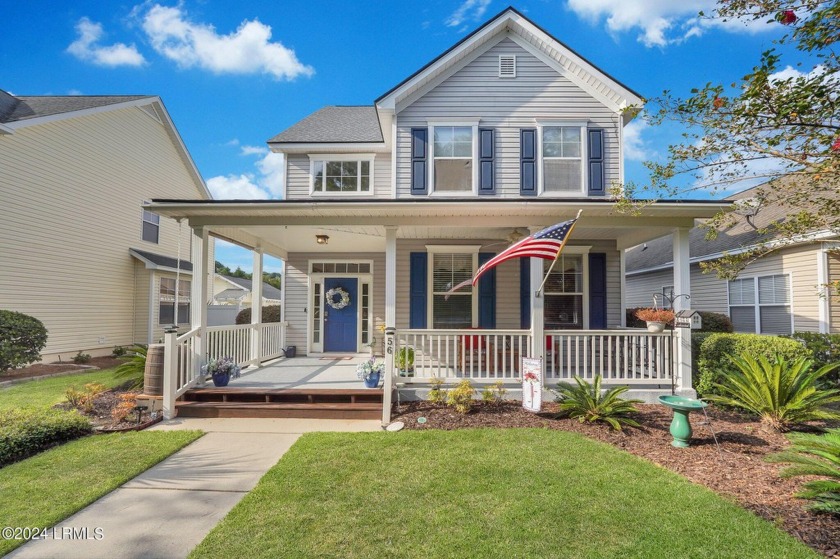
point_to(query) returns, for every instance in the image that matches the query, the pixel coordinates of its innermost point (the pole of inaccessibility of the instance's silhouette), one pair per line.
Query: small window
(507, 66)
(453, 158)
(562, 159)
(338, 176)
(151, 227)
(166, 314)
(761, 305)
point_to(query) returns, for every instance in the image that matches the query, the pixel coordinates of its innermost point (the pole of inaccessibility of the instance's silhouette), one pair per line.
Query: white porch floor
(327, 372)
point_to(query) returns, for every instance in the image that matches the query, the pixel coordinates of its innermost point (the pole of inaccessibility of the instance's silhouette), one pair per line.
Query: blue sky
(233, 74)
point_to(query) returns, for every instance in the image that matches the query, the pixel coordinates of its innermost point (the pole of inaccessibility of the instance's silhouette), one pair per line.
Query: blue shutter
(596, 162)
(528, 162)
(486, 150)
(486, 294)
(417, 293)
(597, 290)
(525, 293)
(419, 149)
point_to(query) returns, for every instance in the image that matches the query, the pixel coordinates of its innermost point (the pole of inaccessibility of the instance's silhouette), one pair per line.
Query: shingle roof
(232, 293)
(23, 107)
(659, 252)
(334, 124)
(161, 260)
(269, 291)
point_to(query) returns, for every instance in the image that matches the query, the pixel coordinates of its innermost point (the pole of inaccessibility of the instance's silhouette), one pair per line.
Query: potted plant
(405, 361)
(370, 371)
(656, 318)
(222, 370)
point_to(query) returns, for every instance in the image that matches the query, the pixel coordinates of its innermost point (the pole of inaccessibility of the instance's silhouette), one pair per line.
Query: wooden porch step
(325, 410)
(284, 395)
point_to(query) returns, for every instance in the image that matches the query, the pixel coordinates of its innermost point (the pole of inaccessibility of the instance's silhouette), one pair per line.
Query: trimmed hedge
(22, 338)
(712, 321)
(714, 351)
(271, 313)
(825, 350)
(28, 431)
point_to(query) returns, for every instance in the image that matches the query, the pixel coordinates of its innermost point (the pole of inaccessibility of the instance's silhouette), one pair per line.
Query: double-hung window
(458, 309)
(562, 159)
(151, 227)
(166, 314)
(341, 174)
(453, 153)
(563, 293)
(761, 304)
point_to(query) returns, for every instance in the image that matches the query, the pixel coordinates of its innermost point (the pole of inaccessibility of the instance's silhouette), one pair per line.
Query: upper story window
(453, 154)
(334, 174)
(151, 227)
(562, 159)
(761, 304)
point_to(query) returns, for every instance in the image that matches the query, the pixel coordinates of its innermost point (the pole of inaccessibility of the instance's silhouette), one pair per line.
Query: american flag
(543, 244)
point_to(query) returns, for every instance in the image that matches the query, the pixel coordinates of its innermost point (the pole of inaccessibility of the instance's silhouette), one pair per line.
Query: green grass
(50, 391)
(483, 493)
(47, 488)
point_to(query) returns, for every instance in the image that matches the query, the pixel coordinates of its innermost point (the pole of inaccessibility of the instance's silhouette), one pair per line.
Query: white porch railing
(272, 340)
(619, 356)
(230, 341)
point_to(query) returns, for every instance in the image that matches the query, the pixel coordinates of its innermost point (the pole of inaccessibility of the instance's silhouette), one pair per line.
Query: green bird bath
(681, 426)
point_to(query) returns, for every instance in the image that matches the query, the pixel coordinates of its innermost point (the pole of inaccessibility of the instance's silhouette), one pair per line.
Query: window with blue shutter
(486, 151)
(528, 162)
(597, 291)
(419, 153)
(597, 186)
(486, 294)
(524, 293)
(418, 263)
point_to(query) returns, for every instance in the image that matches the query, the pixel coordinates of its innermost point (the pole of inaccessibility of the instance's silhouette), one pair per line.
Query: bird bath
(681, 426)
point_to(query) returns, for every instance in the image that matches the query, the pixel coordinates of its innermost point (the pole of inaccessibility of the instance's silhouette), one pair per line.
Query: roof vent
(507, 66)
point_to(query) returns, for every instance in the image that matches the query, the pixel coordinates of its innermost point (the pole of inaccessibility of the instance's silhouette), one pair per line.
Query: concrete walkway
(166, 511)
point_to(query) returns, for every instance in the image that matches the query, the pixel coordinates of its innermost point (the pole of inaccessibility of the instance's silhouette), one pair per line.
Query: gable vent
(507, 66)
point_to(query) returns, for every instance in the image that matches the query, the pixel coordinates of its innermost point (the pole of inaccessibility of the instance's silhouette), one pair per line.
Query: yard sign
(531, 384)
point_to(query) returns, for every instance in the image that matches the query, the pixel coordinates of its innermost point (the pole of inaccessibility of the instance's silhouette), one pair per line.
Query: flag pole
(556, 258)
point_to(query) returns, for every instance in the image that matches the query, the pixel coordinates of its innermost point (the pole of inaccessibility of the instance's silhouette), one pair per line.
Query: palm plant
(815, 455)
(586, 403)
(782, 393)
(134, 366)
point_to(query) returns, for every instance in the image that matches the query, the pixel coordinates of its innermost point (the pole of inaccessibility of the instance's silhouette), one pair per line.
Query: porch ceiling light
(322, 239)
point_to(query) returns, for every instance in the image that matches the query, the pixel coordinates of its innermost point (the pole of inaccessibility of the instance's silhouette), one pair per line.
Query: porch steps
(282, 402)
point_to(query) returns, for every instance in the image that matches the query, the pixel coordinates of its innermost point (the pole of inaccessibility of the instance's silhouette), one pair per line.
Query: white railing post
(198, 297)
(683, 368)
(390, 320)
(256, 307)
(537, 311)
(170, 372)
(388, 386)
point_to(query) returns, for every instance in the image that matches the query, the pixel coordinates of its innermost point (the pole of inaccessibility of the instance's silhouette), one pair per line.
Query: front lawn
(483, 493)
(50, 391)
(47, 488)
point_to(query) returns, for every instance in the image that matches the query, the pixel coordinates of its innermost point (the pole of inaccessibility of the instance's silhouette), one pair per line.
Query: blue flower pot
(221, 379)
(372, 381)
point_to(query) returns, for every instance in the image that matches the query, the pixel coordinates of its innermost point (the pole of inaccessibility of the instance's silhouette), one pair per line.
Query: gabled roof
(269, 291)
(334, 124)
(232, 293)
(576, 68)
(18, 108)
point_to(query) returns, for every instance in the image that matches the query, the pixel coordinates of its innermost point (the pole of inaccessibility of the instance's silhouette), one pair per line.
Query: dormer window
(341, 174)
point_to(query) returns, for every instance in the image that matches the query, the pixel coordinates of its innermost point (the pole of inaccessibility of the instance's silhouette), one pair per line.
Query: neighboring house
(781, 292)
(78, 252)
(387, 205)
(230, 290)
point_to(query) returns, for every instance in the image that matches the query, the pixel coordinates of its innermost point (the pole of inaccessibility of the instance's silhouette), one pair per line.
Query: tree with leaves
(781, 128)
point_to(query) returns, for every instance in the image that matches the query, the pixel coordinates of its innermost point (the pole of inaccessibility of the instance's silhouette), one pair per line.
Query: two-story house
(76, 249)
(389, 205)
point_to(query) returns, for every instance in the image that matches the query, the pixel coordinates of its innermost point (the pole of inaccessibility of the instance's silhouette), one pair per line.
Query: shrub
(815, 455)
(126, 405)
(713, 362)
(461, 397)
(118, 351)
(824, 349)
(134, 367)
(81, 358)
(494, 393)
(405, 359)
(586, 403)
(655, 315)
(437, 395)
(780, 391)
(27, 431)
(84, 399)
(22, 338)
(270, 313)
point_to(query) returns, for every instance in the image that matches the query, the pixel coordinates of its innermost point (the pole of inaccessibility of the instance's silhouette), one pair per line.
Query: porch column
(256, 307)
(682, 286)
(198, 299)
(825, 290)
(537, 311)
(622, 273)
(390, 319)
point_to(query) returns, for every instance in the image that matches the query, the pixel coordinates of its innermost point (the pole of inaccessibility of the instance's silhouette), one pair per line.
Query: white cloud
(235, 187)
(789, 72)
(265, 183)
(248, 50)
(635, 147)
(468, 10)
(253, 150)
(272, 167)
(659, 22)
(86, 47)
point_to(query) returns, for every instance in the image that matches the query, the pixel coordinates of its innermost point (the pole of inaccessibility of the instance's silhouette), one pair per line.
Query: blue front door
(340, 325)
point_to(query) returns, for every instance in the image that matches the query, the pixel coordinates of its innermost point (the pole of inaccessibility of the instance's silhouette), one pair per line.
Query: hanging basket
(337, 298)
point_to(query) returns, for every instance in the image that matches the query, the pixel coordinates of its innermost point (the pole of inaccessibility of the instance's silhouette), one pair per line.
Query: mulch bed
(46, 369)
(737, 470)
(103, 405)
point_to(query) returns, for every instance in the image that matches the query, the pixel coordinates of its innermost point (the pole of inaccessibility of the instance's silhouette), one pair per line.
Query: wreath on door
(337, 298)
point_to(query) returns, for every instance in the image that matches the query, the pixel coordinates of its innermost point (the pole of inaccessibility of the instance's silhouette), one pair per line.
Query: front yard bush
(27, 431)
(714, 363)
(585, 402)
(824, 348)
(815, 455)
(22, 337)
(270, 313)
